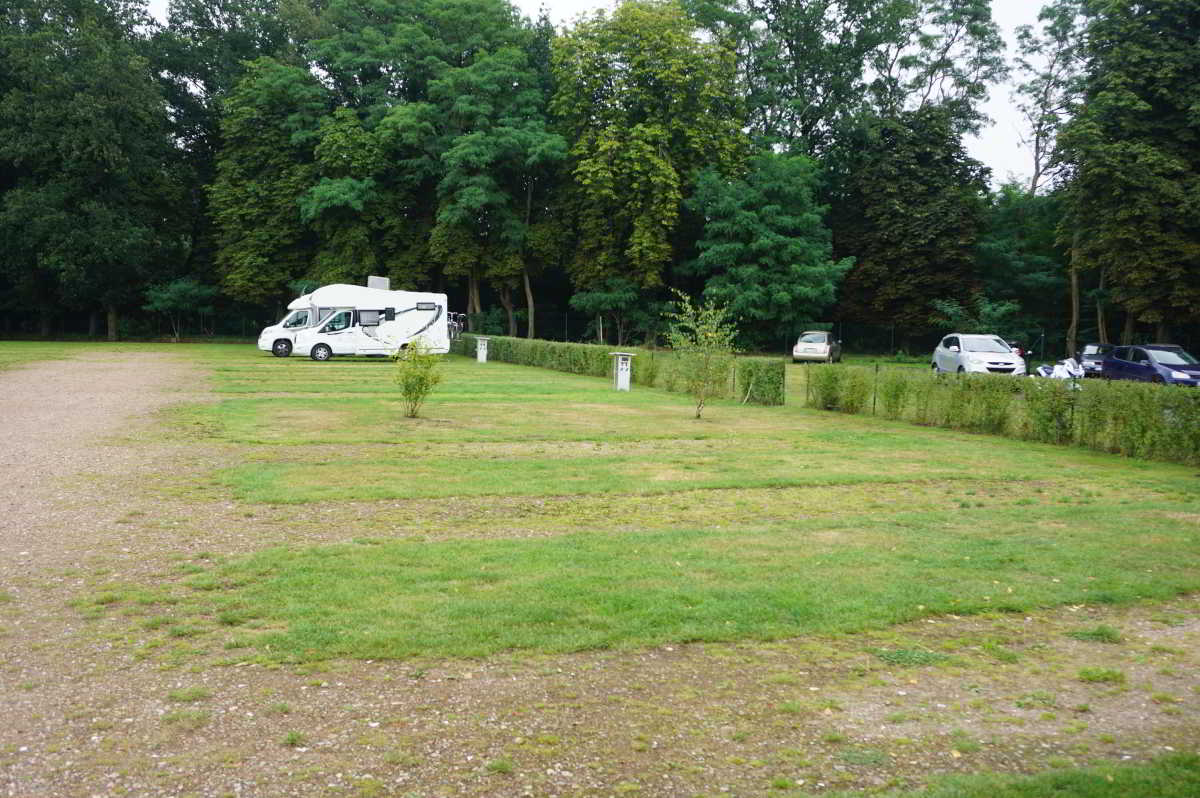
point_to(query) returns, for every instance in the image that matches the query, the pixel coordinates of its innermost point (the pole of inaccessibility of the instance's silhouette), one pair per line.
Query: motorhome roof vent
(382, 283)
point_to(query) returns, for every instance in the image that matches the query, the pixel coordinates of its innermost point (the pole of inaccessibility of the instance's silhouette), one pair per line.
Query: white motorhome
(355, 320)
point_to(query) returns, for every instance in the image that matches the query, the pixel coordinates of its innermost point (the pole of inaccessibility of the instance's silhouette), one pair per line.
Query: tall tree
(270, 129)
(84, 150)
(910, 211)
(645, 104)
(1134, 155)
(1050, 66)
(765, 252)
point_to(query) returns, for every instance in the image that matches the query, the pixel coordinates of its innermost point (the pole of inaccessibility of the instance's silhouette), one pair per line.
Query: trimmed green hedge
(755, 381)
(1160, 422)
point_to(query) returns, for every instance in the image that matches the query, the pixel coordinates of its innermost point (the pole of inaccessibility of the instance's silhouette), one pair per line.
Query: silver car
(817, 346)
(983, 354)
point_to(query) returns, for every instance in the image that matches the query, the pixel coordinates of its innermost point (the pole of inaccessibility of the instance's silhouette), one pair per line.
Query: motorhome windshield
(297, 318)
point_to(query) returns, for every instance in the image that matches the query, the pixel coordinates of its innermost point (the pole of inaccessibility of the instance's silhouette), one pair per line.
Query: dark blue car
(1152, 363)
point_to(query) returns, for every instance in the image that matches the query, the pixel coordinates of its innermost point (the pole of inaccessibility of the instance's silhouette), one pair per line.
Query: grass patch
(909, 656)
(1097, 634)
(1175, 776)
(187, 695)
(1102, 675)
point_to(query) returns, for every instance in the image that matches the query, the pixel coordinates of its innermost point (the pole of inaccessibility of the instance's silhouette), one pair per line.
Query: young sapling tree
(702, 338)
(417, 374)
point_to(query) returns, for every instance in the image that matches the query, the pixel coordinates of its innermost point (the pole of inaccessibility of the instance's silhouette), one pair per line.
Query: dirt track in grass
(89, 708)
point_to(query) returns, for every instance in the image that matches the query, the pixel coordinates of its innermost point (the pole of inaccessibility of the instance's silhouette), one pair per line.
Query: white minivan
(980, 354)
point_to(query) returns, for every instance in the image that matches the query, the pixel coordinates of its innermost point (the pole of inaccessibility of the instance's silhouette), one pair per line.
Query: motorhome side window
(340, 321)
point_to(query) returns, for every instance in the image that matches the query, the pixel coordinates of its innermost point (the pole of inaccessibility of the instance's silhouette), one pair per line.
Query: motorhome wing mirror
(426, 306)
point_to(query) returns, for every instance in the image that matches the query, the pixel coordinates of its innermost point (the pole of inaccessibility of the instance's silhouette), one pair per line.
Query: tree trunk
(111, 313)
(93, 324)
(599, 328)
(507, 301)
(1073, 328)
(529, 324)
(1162, 333)
(1101, 320)
(45, 322)
(1130, 328)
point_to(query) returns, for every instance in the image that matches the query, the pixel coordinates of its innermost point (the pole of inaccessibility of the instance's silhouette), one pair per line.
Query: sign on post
(481, 349)
(622, 369)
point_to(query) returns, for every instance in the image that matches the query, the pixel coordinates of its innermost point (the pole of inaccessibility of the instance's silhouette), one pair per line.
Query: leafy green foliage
(911, 214)
(86, 197)
(765, 251)
(264, 170)
(702, 338)
(762, 380)
(644, 103)
(179, 298)
(416, 374)
(1134, 419)
(1135, 160)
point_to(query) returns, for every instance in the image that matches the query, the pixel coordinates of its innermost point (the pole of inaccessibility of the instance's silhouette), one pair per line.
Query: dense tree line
(797, 160)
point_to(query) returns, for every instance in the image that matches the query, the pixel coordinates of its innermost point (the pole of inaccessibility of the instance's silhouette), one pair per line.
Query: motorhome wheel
(281, 348)
(321, 352)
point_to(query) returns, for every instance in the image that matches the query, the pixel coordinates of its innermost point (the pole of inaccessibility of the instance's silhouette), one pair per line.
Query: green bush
(756, 384)
(855, 387)
(761, 380)
(825, 386)
(893, 391)
(416, 375)
(1049, 410)
(1160, 422)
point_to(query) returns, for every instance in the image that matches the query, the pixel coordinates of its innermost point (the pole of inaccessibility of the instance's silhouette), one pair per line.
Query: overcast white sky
(998, 146)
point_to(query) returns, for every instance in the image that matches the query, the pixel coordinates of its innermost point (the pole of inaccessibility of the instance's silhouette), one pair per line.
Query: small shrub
(702, 338)
(825, 386)
(855, 390)
(761, 380)
(893, 392)
(293, 739)
(416, 374)
(504, 766)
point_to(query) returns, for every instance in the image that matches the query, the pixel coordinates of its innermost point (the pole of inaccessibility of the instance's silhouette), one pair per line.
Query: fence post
(875, 391)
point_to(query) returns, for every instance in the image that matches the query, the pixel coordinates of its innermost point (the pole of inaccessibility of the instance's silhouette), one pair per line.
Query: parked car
(981, 354)
(816, 345)
(1165, 363)
(1091, 357)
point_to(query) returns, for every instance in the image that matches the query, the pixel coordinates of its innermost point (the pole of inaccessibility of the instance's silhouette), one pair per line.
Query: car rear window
(813, 338)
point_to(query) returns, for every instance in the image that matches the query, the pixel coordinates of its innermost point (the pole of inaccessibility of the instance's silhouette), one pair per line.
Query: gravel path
(88, 707)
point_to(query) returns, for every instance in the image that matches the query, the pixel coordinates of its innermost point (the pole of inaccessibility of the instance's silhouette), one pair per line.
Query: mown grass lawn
(545, 512)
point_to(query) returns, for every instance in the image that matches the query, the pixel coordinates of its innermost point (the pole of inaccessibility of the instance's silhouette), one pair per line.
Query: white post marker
(481, 349)
(622, 369)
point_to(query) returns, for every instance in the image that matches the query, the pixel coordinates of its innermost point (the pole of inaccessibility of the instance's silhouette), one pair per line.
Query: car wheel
(1156, 379)
(321, 352)
(829, 358)
(794, 360)
(962, 370)
(936, 370)
(281, 348)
